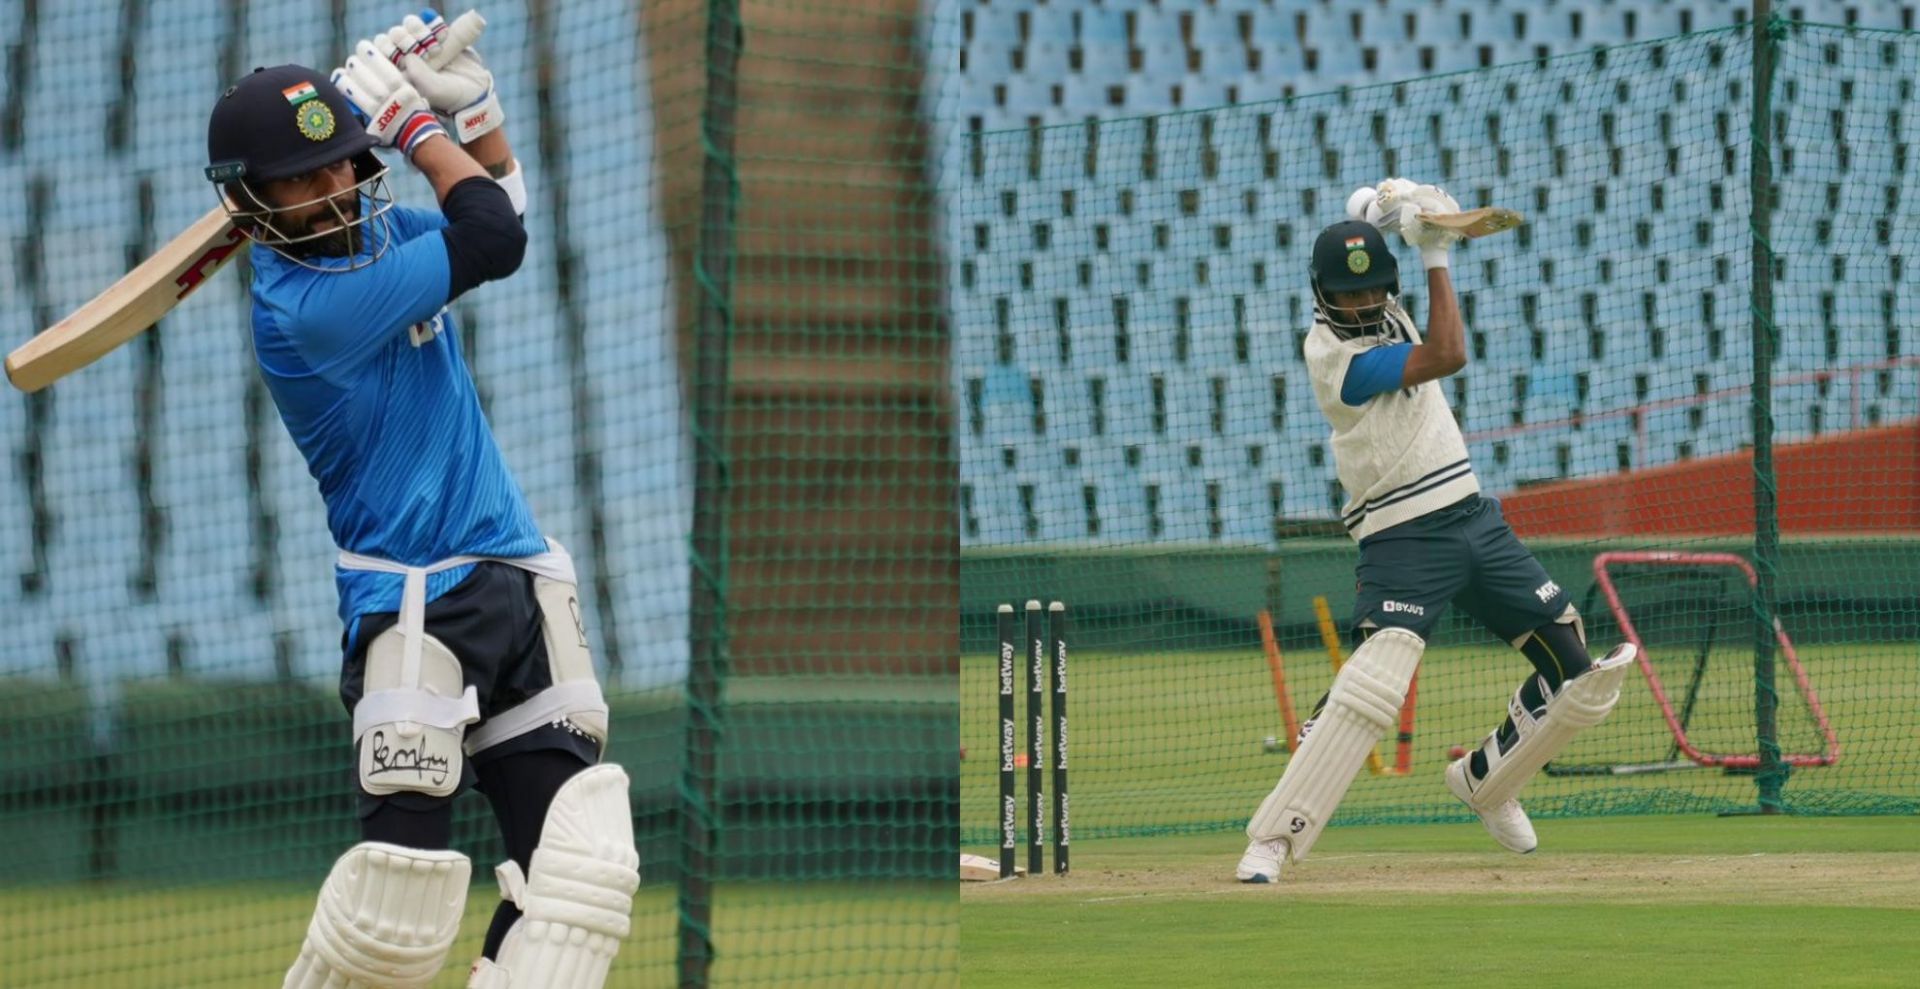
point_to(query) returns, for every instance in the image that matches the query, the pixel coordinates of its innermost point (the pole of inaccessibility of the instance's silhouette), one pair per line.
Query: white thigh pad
(387, 917)
(1582, 702)
(409, 724)
(575, 696)
(577, 899)
(1362, 706)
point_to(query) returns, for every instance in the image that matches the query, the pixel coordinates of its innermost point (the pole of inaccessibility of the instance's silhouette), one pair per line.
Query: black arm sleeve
(485, 240)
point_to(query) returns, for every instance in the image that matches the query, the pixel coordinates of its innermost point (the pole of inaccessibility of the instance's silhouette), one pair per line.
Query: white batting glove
(438, 58)
(1389, 202)
(1360, 202)
(1431, 199)
(395, 113)
(1434, 243)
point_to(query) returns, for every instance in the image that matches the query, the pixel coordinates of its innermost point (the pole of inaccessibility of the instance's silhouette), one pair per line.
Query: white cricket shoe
(1263, 861)
(1507, 823)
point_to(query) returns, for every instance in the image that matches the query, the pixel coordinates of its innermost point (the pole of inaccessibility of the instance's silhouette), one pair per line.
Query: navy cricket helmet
(1351, 256)
(282, 122)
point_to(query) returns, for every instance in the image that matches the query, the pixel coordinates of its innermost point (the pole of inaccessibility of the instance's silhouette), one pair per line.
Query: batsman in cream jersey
(465, 661)
(1428, 539)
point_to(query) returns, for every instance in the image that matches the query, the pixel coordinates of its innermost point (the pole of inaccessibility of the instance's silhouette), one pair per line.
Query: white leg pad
(576, 901)
(386, 919)
(1363, 705)
(1582, 702)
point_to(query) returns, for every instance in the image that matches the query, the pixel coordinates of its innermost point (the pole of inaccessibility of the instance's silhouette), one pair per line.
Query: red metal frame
(1831, 752)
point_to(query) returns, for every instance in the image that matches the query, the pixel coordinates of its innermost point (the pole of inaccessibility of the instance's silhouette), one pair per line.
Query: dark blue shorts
(1463, 554)
(492, 622)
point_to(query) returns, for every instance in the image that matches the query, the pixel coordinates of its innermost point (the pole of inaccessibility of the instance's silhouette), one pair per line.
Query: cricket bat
(141, 296)
(1475, 222)
(129, 306)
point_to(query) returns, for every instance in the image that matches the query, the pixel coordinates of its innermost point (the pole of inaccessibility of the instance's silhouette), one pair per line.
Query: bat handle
(456, 36)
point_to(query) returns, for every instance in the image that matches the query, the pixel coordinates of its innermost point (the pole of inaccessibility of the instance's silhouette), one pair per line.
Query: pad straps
(554, 564)
(551, 704)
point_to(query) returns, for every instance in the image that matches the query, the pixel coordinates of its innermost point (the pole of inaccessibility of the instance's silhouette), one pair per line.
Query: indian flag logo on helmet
(1356, 243)
(299, 93)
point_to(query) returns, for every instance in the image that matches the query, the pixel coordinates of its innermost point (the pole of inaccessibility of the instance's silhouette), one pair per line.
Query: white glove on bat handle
(1434, 243)
(396, 115)
(438, 59)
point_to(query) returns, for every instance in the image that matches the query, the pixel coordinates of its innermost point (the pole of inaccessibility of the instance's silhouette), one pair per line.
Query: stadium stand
(1618, 293)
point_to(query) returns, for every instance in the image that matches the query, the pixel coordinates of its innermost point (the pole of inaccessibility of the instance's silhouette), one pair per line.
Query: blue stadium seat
(1055, 504)
(1489, 403)
(1600, 24)
(1551, 397)
(1245, 516)
(1123, 512)
(997, 509)
(1564, 347)
(1862, 339)
(1794, 405)
(1050, 32)
(995, 28)
(1303, 493)
(1883, 14)
(1801, 343)
(1536, 456)
(1726, 427)
(1105, 62)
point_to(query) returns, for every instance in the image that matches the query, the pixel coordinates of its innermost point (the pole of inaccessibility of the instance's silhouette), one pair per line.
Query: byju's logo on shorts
(1395, 606)
(1546, 591)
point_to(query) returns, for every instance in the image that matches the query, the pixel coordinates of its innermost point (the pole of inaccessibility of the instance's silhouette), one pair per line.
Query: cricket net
(719, 328)
(1139, 439)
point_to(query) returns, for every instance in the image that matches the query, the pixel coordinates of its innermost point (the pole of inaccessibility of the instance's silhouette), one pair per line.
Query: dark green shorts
(1463, 554)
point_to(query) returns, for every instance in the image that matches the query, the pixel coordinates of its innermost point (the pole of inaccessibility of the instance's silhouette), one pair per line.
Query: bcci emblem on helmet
(316, 121)
(1358, 260)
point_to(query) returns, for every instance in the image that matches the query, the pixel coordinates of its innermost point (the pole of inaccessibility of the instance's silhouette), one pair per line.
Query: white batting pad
(1582, 702)
(386, 919)
(1363, 705)
(576, 901)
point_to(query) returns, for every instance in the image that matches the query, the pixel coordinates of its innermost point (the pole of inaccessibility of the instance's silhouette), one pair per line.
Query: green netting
(175, 766)
(1139, 439)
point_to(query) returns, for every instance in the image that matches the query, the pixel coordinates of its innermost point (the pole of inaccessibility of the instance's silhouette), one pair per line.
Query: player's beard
(339, 242)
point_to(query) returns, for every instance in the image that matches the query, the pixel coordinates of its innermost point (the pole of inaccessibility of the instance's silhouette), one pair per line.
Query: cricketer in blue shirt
(366, 369)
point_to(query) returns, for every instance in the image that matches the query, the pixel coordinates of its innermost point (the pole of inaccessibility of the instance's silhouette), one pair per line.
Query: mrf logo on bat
(208, 263)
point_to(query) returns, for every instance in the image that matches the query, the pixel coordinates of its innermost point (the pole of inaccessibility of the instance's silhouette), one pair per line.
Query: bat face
(129, 306)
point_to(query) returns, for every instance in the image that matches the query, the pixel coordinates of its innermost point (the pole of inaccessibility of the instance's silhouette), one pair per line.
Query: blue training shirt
(366, 369)
(1375, 372)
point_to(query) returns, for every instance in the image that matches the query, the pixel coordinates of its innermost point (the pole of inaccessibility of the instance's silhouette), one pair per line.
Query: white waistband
(554, 564)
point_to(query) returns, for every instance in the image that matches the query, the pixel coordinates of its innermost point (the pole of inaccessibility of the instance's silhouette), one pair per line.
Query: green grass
(1171, 742)
(1668, 901)
(814, 935)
